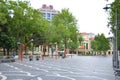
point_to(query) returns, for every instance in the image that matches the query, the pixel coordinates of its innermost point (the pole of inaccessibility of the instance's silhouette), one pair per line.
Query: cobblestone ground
(70, 68)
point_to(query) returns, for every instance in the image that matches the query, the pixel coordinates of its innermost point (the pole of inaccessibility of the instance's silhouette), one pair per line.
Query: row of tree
(19, 22)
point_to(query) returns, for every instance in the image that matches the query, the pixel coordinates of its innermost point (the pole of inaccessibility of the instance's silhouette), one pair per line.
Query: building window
(48, 18)
(48, 15)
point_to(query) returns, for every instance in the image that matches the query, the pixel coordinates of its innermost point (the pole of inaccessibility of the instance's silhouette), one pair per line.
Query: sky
(90, 14)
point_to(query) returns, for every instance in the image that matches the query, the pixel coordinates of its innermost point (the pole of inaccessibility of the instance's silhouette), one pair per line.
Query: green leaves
(100, 43)
(28, 23)
(7, 42)
(3, 12)
(22, 25)
(115, 6)
(64, 27)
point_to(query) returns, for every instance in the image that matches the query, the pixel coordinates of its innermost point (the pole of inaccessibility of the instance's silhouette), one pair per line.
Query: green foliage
(25, 22)
(7, 42)
(115, 6)
(100, 43)
(19, 21)
(3, 12)
(80, 39)
(64, 29)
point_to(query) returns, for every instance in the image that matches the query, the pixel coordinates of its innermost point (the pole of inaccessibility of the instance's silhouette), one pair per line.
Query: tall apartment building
(48, 11)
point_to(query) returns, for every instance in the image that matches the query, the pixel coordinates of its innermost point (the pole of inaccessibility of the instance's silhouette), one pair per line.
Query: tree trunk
(7, 52)
(4, 51)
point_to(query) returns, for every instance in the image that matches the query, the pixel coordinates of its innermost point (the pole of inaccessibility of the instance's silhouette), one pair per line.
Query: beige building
(85, 45)
(110, 52)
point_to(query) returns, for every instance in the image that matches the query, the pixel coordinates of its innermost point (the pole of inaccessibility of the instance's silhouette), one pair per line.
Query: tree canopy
(100, 43)
(65, 29)
(19, 22)
(115, 16)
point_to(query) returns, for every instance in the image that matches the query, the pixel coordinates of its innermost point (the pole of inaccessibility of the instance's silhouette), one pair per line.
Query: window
(48, 15)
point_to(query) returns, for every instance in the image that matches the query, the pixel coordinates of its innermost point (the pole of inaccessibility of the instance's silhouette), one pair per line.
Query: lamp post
(115, 46)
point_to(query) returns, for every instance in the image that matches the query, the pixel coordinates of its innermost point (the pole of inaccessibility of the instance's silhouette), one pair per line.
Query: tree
(115, 11)
(100, 43)
(19, 20)
(64, 27)
(7, 42)
(25, 21)
(3, 14)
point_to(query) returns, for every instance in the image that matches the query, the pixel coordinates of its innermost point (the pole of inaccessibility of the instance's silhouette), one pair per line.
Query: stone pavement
(75, 68)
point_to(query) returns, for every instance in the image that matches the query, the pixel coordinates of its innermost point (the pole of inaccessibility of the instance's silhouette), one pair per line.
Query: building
(110, 52)
(85, 45)
(48, 11)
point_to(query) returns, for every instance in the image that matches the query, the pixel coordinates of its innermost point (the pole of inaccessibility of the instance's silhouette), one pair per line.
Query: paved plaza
(70, 68)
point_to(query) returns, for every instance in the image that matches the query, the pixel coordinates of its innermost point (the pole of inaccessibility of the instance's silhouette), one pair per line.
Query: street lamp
(115, 49)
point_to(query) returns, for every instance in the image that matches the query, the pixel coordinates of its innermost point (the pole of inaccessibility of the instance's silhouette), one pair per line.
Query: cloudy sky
(89, 13)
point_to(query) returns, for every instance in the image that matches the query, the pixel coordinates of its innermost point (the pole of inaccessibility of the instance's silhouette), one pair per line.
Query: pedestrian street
(70, 68)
